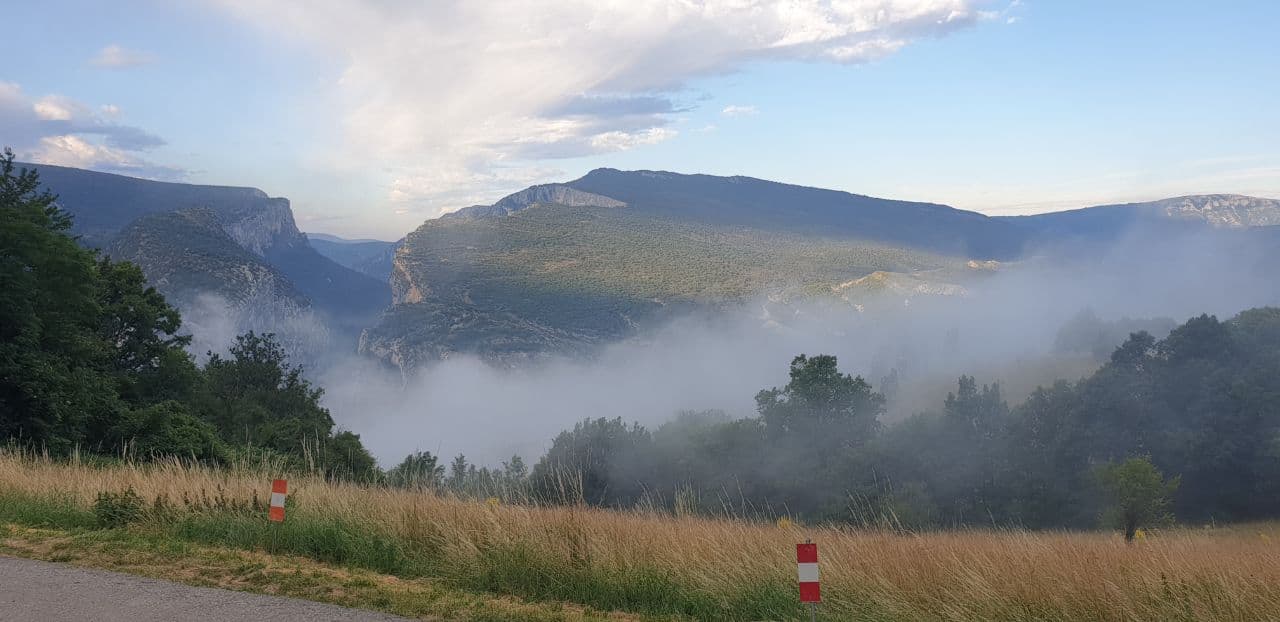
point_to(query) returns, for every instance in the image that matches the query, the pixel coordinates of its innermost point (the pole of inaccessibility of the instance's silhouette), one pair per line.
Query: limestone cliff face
(1223, 210)
(266, 223)
(404, 289)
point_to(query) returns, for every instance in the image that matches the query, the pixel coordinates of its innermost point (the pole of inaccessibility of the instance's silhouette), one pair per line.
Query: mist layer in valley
(1053, 316)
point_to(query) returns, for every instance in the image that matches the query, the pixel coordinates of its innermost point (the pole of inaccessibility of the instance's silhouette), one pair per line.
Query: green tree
(257, 398)
(345, 457)
(166, 429)
(593, 463)
(420, 469)
(146, 354)
(819, 396)
(1138, 493)
(51, 355)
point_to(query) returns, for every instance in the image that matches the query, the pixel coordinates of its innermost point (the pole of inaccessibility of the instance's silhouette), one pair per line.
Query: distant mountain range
(1108, 222)
(368, 257)
(234, 247)
(565, 268)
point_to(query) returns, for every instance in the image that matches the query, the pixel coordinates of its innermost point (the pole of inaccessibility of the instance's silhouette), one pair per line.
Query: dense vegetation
(91, 359)
(1194, 416)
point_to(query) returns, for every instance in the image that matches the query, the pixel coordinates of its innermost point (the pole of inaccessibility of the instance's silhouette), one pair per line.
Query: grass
(564, 562)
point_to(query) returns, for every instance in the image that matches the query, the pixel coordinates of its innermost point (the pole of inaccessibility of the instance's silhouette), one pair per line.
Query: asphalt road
(43, 592)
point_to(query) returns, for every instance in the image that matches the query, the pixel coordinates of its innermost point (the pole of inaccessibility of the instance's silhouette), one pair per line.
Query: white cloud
(115, 57)
(55, 108)
(59, 130)
(441, 94)
(738, 111)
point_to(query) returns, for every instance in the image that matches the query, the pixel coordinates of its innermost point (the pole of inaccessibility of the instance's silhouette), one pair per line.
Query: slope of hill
(773, 206)
(237, 243)
(188, 253)
(563, 267)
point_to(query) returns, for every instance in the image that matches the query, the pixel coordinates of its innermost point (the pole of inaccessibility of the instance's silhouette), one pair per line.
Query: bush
(168, 429)
(117, 510)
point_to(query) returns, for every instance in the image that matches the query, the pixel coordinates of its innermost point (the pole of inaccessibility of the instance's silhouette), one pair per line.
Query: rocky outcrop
(546, 194)
(404, 290)
(267, 223)
(1223, 210)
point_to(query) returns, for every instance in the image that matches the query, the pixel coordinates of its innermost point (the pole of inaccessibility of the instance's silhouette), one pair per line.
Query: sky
(373, 116)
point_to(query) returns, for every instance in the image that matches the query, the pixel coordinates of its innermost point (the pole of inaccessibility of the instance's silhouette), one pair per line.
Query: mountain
(563, 268)
(235, 244)
(1109, 222)
(369, 257)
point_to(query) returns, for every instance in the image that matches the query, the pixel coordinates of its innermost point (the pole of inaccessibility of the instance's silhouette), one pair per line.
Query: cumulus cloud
(54, 129)
(461, 89)
(738, 111)
(115, 57)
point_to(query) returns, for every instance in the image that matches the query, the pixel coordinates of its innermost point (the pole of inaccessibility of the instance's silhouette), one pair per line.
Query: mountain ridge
(191, 239)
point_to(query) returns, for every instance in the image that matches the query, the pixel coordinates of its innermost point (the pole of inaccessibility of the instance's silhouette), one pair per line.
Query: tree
(257, 398)
(166, 429)
(420, 469)
(345, 457)
(146, 354)
(819, 396)
(51, 380)
(1139, 495)
(591, 463)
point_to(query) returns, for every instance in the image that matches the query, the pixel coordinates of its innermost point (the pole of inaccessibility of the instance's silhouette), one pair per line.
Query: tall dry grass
(1179, 574)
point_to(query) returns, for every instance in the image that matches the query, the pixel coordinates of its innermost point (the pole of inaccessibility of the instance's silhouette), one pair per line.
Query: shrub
(118, 509)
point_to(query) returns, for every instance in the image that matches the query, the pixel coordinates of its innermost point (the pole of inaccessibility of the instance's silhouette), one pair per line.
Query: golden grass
(1185, 574)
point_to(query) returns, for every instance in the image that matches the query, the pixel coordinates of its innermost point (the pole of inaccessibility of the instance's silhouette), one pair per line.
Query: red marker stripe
(807, 573)
(279, 488)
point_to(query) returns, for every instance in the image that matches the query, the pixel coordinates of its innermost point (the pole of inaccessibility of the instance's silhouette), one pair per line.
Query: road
(34, 591)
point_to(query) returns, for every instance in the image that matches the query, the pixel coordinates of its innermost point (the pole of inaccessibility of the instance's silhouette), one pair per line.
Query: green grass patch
(327, 540)
(48, 511)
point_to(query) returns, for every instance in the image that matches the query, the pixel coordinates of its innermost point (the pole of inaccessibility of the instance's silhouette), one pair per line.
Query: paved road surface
(32, 591)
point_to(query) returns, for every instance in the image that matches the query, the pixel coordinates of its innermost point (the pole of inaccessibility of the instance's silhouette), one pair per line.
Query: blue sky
(372, 117)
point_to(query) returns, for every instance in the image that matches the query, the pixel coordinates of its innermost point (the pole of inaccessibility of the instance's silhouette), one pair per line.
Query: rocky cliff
(231, 256)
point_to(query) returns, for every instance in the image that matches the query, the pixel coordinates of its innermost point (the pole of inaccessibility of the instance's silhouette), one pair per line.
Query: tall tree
(50, 351)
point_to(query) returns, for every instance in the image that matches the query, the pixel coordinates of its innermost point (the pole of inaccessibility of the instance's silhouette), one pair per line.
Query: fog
(1002, 328)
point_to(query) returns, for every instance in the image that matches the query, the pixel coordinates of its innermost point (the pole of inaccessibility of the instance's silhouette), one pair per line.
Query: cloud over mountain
(55, 129)
(474, 94)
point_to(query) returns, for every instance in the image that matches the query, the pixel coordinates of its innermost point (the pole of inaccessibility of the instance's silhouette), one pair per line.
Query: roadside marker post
(279, 489)
(807, 571)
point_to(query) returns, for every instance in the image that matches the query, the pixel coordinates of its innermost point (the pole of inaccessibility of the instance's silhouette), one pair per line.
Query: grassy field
(433, 557)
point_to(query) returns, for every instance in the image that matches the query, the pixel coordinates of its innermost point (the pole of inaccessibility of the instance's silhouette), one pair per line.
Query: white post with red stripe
(279, 489)
(807, 572)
